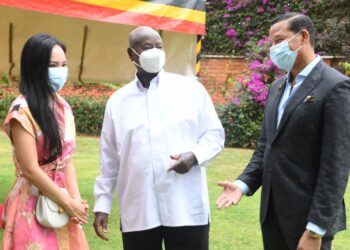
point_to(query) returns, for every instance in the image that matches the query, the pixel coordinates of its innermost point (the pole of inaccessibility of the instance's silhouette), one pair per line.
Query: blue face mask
(57, 77)
(282, 56)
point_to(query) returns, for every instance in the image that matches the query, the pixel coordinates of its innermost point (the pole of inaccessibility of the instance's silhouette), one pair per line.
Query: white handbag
(49, 214)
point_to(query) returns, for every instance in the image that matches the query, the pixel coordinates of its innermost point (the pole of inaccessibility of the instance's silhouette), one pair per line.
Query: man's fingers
(104, 228)
(104, 224)
(179, 168)
(221, 201)
(229, 203)
(101, 233)
(226, 201)
(175, 157)
(223, 183)
(172, 167)
(175, 164)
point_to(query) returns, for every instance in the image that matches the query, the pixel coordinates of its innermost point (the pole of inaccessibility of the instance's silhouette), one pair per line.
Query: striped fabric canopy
(173, 15)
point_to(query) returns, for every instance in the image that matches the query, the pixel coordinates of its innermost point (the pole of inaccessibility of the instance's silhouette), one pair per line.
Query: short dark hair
(298, 22)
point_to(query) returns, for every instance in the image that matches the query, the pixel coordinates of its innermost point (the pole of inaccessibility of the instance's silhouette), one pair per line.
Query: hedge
(5, 103)
(88, 112)
(241, 123)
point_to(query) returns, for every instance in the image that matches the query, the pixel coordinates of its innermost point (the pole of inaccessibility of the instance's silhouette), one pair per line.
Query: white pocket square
(310, 98)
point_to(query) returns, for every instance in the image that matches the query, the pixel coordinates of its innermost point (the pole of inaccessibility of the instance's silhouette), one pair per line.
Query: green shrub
(241, 123)
(346, 67)
(88, 113)
(5, 102)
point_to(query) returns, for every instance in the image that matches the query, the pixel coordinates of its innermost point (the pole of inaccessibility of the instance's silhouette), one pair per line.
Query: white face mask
(282, 56)
(151, 60)
(57, 77)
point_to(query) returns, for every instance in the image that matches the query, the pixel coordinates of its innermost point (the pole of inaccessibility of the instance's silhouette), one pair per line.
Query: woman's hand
(78, 210)
(75, 219)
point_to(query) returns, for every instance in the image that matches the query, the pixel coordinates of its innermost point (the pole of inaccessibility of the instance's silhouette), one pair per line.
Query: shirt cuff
(103, 204)
(200, 155)
(244, 187)
(316, 229)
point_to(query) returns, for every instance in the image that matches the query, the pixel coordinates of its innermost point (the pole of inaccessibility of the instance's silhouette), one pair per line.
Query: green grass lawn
(233, 228)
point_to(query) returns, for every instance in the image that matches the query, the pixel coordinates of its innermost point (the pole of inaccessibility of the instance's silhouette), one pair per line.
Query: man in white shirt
(159, 131)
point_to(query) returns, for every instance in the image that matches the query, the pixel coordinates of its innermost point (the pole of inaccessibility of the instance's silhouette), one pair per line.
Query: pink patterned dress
(21, 228)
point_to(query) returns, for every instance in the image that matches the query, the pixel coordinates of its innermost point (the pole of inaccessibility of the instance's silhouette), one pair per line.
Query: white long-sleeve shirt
(141, 129)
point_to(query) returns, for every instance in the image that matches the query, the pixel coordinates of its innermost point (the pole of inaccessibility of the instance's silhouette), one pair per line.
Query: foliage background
(240, 27)
(233, 25)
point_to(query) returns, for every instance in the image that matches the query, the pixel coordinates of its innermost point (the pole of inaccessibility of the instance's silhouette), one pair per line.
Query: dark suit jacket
(305, 162)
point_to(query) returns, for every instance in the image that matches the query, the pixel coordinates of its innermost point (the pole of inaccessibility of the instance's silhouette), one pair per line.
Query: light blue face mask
(57, 77)
(282, 56)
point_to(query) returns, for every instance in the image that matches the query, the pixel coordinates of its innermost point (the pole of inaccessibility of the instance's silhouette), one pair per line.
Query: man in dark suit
(302, 157)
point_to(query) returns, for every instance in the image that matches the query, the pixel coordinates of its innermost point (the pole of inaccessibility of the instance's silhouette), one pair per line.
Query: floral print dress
(21, 228)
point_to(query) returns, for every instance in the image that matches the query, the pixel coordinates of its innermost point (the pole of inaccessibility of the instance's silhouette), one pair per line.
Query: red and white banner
(176, 15)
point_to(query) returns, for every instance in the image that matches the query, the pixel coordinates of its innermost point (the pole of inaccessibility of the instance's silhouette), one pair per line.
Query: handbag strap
(59, 164)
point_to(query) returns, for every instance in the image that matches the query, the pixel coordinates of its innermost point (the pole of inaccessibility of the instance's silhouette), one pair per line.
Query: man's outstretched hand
(231, 195)
(184, 162)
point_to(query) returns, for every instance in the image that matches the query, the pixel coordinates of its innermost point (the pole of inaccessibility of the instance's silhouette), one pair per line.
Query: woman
(41, 127)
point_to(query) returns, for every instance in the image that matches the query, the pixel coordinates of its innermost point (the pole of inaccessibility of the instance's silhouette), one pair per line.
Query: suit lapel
(274, 104)
(309, 83)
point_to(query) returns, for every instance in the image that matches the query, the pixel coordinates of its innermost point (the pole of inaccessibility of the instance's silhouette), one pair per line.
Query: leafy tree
(335, 38)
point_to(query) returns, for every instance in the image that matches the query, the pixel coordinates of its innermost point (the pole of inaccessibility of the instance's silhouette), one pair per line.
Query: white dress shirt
(141, 129)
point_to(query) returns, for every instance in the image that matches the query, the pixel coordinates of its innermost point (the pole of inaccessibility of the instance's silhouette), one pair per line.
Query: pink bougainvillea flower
(231, 33)
(260, 10)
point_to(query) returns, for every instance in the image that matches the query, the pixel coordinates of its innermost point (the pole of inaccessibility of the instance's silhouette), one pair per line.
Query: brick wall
(216, 70)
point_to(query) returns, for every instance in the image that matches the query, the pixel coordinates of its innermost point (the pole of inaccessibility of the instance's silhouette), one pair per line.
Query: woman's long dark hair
(35, 61)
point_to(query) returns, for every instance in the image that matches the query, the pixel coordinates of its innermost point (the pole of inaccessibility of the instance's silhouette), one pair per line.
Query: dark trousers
(175, 238)
(275, 239)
